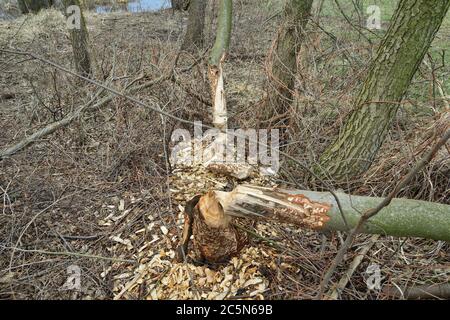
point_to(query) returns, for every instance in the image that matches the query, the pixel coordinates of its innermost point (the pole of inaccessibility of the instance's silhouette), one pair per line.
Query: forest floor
(95, 194)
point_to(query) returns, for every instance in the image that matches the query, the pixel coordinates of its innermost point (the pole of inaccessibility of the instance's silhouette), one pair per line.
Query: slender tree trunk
(283, 58)
(179, 4)
(319, 211)
(216, 58)
(193, 40)
(80, 39)
(410, 34)
(34, 6)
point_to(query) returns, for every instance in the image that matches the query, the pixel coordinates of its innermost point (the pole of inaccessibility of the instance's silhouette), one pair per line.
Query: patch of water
(134, 6)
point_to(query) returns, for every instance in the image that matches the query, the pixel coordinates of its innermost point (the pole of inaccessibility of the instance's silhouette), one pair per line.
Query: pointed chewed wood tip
(212, 211)
(276, 204)
(312, 214)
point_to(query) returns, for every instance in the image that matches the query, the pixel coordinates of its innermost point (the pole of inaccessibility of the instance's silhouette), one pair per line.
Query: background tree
(80, 41)
(179, 4)
(193, 39)
(413, 27)
(283, 64)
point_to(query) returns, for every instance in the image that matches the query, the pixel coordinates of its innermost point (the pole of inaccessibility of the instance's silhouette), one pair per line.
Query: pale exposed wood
(216, 60)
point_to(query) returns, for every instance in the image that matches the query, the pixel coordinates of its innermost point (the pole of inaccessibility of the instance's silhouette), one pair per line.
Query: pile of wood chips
(158, 272)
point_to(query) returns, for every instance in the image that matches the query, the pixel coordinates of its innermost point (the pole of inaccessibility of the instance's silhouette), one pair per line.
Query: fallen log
(434, 291)
(318, 211)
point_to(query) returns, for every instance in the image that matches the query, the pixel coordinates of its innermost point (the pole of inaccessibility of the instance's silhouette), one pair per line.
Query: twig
(334, 293)
(28, 224)
(65, 253)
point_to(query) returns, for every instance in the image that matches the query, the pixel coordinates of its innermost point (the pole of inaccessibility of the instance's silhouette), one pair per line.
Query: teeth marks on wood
(304, 212)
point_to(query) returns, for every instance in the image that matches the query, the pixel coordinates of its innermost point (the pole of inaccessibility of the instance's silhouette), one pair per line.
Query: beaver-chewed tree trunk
(410, 34)
(79, 37)
(217, 239)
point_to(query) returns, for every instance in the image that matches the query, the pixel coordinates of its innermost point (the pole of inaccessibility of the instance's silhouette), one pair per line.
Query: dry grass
(99, 186)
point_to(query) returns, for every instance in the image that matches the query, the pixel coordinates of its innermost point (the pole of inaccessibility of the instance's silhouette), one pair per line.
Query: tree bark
(193, 40)
(180, 4)
(216, 59)
(208, 218)
(79, 39)
(283, 58)
(401, 51)
(319, 211)
(34, 6)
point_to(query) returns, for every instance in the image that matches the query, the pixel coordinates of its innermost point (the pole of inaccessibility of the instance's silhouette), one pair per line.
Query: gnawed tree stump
(215, 235)
(216, 239)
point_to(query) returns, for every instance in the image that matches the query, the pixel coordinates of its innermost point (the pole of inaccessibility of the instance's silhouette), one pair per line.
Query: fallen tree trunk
(434, 291)
(319, 211)
(208, 217)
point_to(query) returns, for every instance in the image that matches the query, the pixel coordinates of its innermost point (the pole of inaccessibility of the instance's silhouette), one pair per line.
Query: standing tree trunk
(283, 57)
(79, 38)
(408, 38)
(34, 6)
(179, 4)
(216, 58)
(193, 39)
(319, 211)
(23, 6)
